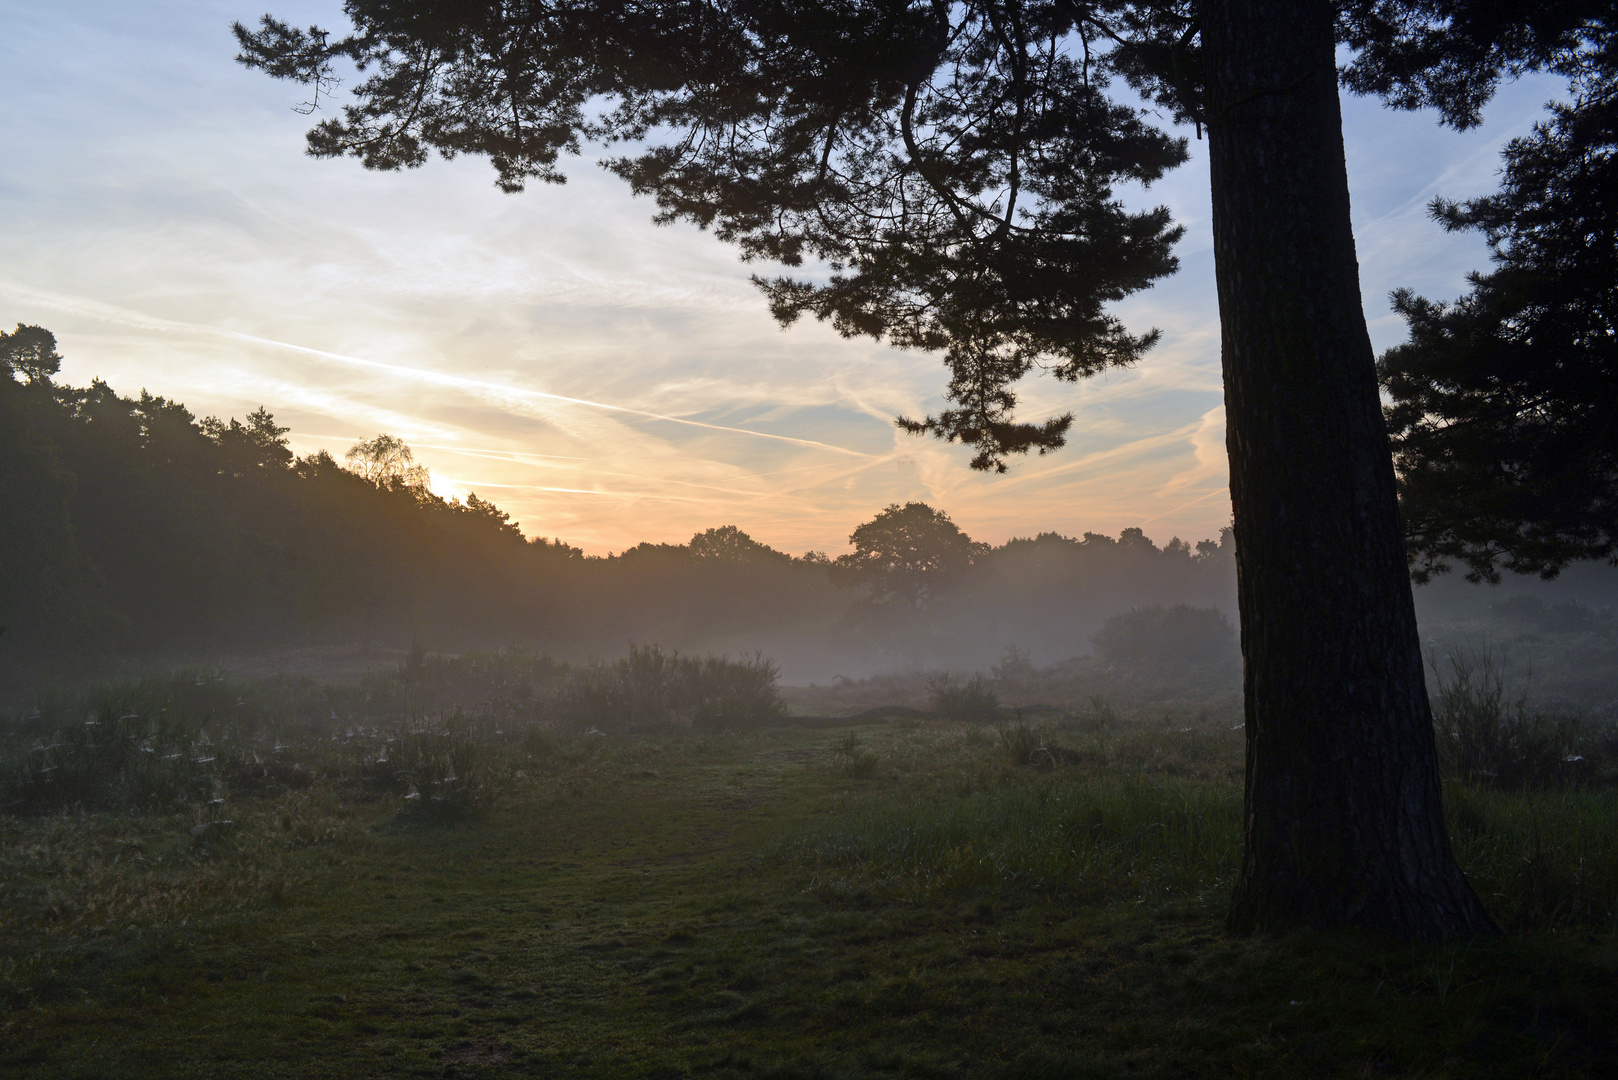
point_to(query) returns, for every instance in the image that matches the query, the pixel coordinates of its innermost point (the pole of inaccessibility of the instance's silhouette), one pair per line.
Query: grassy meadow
(204, 877)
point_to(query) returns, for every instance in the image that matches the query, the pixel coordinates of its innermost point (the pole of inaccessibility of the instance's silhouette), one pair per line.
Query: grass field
(885, 900)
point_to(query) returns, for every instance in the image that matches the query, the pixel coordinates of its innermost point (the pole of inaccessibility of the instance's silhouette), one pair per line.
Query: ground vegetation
(1020, 896)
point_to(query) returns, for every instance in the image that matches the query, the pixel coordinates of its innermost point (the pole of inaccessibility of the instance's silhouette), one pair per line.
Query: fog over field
(830, 540)
(153, 538)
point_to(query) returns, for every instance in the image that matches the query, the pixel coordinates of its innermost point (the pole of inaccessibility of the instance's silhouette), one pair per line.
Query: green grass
(1066, 837)
(893, 901)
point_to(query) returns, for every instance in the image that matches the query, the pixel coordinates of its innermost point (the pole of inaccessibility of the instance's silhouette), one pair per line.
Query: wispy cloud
(609, 381)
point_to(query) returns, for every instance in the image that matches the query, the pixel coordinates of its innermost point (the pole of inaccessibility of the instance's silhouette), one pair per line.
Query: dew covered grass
(895, 899)
(1065, 836)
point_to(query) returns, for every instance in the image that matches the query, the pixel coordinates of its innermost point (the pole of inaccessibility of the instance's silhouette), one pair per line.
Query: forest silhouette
(134, 529)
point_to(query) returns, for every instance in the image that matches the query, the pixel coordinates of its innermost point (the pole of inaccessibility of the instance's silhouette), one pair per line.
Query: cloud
(607, 380)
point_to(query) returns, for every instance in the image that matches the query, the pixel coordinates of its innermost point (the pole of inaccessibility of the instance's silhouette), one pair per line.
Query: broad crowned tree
(906, 555)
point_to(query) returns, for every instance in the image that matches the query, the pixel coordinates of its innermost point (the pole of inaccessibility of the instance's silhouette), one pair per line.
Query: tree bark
(1344, 821)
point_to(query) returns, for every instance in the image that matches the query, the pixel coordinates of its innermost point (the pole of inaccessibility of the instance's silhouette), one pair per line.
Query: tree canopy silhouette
(386, 461)
(906, 555)
(133, 530)
(728, 544)
(29, 351)
(1504, 404)
(943, 176)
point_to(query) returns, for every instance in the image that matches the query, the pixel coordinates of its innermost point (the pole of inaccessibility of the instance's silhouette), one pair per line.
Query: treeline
(131, 528)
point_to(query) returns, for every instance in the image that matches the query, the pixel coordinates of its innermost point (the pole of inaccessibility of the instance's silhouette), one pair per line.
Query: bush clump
(650, 688)
(1488, 735)
(970, 702)
(1175, 639)
(116, 759)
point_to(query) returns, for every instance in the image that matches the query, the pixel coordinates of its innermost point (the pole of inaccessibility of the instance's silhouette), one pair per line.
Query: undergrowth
(1064, 836)
(916, 897)
(1489, 733)
(1539, 859)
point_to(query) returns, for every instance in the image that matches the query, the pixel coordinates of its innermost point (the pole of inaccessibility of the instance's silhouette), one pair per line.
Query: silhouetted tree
(260, 443)
(29, 351)
(487, 511)
(131, 527)
(1504, 404)
(134, 528)
(729, 544)
(50, 596)
(906, 555)
(386, 461)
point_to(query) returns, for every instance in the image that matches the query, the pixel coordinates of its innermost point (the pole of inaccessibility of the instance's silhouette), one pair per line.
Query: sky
(605, 380)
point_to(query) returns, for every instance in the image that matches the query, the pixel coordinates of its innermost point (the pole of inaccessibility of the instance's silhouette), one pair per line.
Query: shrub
(115, 759)
(1015, 668)
(1025, 743)
(158, 744)
(588, 699)
(727, 693)
(1485, 734)
(442, 765)
(1175, 639)
(650, 687)
(509, 685)
(972, 702)
(853, 759)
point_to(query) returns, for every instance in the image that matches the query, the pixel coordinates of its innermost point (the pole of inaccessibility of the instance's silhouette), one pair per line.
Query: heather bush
(1489, 734)
(1168, 639)
(651, 687)
(972, 701)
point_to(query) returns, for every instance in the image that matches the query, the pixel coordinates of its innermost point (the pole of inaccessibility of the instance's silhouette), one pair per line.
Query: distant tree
(1135, 539)
(647, 552)
(320, 463)
(260, 442)
(487, 511)
(386, 461)
(29, 351)
(1016, 666)
(906, 555)
(972, 701)
(556, 548)
(126, 524)
(1504, 404)
(52, 600)
(729, 544)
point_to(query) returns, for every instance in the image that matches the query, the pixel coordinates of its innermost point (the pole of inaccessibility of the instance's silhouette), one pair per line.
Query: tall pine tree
(1504, 403)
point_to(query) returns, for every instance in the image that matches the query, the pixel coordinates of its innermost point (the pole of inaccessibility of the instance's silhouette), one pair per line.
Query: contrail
(1182, 506)
(469, 451)
(121, 316)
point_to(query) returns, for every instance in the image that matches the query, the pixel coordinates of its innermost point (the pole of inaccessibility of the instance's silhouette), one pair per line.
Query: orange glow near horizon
(604, 381)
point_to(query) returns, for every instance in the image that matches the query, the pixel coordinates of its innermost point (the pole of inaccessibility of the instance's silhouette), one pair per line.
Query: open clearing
(746, 905)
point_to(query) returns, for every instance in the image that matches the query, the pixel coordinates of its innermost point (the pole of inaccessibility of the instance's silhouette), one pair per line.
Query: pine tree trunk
(1344, 821)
